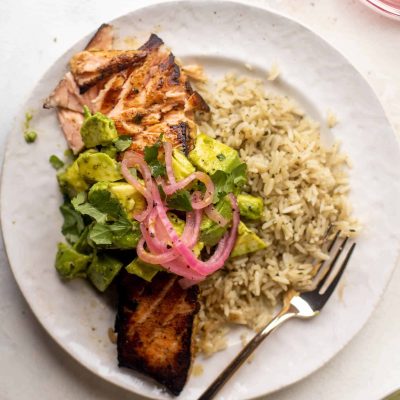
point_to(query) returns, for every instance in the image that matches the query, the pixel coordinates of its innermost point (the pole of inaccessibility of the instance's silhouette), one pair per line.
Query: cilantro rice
(304, 186)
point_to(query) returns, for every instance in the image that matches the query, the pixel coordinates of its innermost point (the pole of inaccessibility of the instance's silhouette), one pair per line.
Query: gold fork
(303, 305)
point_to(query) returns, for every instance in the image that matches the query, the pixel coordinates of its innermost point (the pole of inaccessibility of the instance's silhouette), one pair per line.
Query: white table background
(33, 34)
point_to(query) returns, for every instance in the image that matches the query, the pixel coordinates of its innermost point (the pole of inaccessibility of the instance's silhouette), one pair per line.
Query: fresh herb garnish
(30, 136)
(81, 205)
(123, 143)
(101, 234)
(228, 183)
(221, 157)
(151, 158)
(180, 201)
(73, 225)
(56, 162)
(112, 226)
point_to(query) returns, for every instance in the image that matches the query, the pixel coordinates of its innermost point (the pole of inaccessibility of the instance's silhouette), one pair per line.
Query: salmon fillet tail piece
(155, 327)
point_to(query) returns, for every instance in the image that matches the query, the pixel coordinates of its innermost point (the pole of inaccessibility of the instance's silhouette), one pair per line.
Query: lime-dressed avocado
(71, 264)
(102, 270)
(97, 129)
(130, 198)
(98, 167)
(71, 182)
(210, 231)
(250, 207)
(181, 166)
(143, 270)
(210, 155)
(246, 242)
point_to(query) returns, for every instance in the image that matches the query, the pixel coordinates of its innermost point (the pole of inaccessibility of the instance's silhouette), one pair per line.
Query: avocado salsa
(99, 227)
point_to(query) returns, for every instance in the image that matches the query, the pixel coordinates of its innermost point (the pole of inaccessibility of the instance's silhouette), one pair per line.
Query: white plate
(222, 36)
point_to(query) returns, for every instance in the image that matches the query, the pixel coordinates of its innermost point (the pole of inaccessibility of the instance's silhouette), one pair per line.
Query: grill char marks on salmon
(67, 99)
(153, 98)
(91, 67)
(154, 325)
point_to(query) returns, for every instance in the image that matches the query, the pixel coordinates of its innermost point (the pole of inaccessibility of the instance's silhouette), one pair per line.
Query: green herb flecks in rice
(304, 186)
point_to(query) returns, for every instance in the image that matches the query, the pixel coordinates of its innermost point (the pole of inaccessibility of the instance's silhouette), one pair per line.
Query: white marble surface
(32, 36)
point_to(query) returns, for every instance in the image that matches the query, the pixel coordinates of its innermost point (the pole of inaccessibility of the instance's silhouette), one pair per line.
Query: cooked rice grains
(304, 186)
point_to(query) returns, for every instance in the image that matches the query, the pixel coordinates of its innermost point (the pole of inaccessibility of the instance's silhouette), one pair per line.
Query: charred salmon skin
(155, 326)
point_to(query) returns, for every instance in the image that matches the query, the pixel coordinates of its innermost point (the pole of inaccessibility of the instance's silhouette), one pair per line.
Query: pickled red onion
(224, 247)
(215, 216)
(168, 162)
(153, 258)
(130, 159)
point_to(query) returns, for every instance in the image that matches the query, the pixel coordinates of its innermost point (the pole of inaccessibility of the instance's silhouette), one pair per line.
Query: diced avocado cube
(210, 231)
(143, 270)
(130, 198)
(71, 182)
(98, 130)
(181, 166)
(129, 240)
(250, 207)
(102, 270)
(98, 167)
(247, 242)
(210, 155)
(71, 264)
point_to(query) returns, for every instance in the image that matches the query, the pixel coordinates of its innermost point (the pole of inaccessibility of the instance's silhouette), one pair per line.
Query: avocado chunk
(71, 182)
(210, 231)
(102, 270)
(247, 242)
(128, 196)
(143, 270)
(98, 167)
(71, 264)
(250, 207)
(97, 129)
(181, 166)
(210, 155)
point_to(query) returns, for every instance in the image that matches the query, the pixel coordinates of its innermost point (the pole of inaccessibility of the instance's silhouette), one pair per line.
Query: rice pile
(304, 186)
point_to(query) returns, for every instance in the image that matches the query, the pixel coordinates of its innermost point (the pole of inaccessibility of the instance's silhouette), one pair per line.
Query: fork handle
(226, 374)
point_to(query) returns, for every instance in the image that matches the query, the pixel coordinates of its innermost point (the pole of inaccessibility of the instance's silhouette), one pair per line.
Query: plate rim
(6, 153)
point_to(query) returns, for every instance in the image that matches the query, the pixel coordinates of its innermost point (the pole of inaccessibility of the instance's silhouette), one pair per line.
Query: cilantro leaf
(80, 204)
(229, 183)
(157, 169)
(221, 157)
(101, 234)
(123, 143)
(151, 157)
(151, 153)
(180, 201)
(238, 176)
(105, 203)
(56, 162)
(73, 225)
(121, 227)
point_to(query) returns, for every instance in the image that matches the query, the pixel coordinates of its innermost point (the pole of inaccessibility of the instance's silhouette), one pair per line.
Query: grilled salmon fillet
(68, 101)
(154, 326)
(147, 98)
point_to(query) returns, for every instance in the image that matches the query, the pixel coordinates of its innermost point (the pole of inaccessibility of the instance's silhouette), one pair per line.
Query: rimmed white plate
(222, 36)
